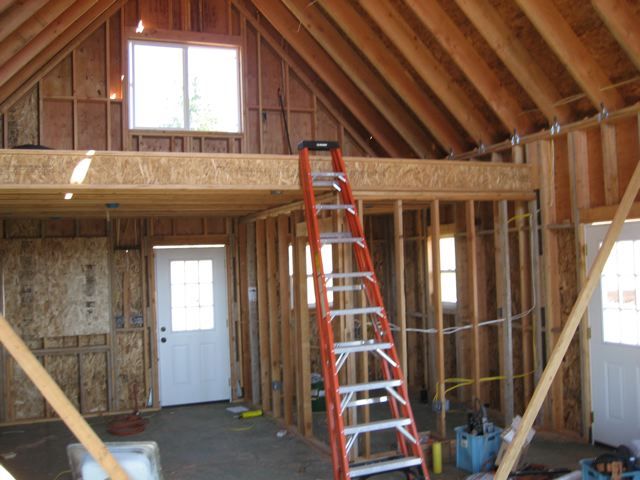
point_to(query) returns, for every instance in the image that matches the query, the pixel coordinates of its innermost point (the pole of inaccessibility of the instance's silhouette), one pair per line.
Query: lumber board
(569, 329)
(273, 318)
(263, 315)
(472, 285)
(401, 301)
(285, 316)
(58, 400)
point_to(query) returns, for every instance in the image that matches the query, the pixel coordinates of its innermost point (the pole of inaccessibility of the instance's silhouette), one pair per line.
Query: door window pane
(192, 298)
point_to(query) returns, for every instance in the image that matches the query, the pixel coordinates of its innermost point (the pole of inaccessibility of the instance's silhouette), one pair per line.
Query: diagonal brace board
(58, 400)
(568, 331)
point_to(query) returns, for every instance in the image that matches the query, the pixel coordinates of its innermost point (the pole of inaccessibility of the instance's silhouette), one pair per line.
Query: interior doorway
(192, 323)
(614, 317)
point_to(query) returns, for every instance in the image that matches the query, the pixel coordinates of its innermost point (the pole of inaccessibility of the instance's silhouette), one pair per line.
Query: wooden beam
(507, 332)
(367, 80)
(516, 57)
(564, 42)
(472, 285)
(569, 329)
(17, 14)
(391, 68)
(330, 73)
(285, 314)
(263, 315)
(243, 278)
(59, 401)
(273, 318)
(479, 73)
(401, 301)
(609, 164)
(622, 22)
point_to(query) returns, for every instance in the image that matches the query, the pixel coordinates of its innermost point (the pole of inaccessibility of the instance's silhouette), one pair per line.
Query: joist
(564, 340)
(329, 72)
(622, 22)
(58, 400)
(564, 42)
(390, 67)
(483, 77)
(362, 75)
(515, 55)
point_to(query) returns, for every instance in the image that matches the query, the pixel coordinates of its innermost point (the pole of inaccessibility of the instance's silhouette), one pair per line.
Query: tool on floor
(251, 414)
(343, 398)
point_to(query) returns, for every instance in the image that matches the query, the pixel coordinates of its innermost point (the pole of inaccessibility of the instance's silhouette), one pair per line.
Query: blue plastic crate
(476, 453)
(589, 473)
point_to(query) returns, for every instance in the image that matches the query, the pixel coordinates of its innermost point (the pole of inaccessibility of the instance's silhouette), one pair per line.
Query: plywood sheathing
(22, 120)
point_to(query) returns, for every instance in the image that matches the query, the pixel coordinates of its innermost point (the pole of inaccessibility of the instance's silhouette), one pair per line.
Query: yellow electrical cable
(518, 217)
(464, 382)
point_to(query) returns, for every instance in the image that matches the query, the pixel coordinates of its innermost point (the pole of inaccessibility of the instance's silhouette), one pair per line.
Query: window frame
(184, 45)
(448, 307)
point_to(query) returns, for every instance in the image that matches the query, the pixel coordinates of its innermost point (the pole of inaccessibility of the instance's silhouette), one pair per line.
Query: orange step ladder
(391, 389)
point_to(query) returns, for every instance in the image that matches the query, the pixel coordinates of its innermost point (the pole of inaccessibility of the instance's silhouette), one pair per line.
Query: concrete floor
(207, 442)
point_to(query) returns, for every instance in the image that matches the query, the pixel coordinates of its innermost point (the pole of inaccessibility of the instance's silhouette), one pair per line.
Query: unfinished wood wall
(82, 102)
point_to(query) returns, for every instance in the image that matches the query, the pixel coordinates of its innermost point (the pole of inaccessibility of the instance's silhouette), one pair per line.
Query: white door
(193, 333)
(614, 316)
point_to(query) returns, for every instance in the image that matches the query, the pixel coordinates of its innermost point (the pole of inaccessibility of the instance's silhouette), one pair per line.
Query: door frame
(232, 314)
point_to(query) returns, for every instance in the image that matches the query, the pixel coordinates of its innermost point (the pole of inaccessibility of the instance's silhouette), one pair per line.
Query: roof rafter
(418, 57)
(516, 58)
(431, 14)
(622, 22)
(362, 75)
(557, 33)
(17, 14)
(328, 71)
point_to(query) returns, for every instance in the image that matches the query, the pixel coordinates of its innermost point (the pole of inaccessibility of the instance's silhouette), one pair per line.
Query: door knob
(163, 340)
(163, 329)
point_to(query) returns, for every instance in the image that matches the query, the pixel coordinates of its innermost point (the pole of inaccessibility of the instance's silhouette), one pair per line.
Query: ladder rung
(381, 466)
(326, 183)
(335, 206)
(361, 402)
(349, 275)
(360, 346)
(376, 426)
(356, 311)
(340, 237)
(345, 288)
(364, 387)
(338, 175)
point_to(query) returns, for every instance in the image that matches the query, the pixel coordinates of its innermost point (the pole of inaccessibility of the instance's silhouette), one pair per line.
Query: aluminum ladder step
(348, 275)
(381, 466)
(330, 238)
(355, 311)
(345, 288)
(338, 175)
(377, 426)
(366, 387)
(360, 346)
(336, 206)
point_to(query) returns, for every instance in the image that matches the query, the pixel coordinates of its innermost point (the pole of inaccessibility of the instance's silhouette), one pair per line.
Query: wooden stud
(472, 285)
(274, 318)
(609, 163)
(244, 311)
(569, 329)
(263, 315)
(285, 313)
(401, 303)
(507, 335)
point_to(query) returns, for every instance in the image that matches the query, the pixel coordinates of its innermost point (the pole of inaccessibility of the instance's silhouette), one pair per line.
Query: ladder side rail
(335, 421)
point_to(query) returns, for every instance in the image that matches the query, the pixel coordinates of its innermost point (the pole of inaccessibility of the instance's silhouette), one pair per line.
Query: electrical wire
(464, 382)
(59, 475)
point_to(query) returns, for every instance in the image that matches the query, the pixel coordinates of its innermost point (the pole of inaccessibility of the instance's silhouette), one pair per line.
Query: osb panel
(271, 76)
(57, 287)
(300, 127)
(251, 70)
(60, 227)
(155, 144)
(196, 144)
(596, 169)
(27, 402)
(22, 228)
(92, 227)
(22, 120)
(128, 232)
(162, 226)
(155, 13)
(253, 132)
(57, 124)
(94, 382)
(562, 182)
(64, 371)
(300, 96)
(115, 54)
(215, 145)
(130, 360)
(215, 16)
(273, 140)
(571, 386)
(350, 146)
(91, 66)
(129, 262)
(188, 226)
(178, 144)
(216, 225)
(92, 125)
(628, 150)
(57, 83)
(326, 124)
(116, 126)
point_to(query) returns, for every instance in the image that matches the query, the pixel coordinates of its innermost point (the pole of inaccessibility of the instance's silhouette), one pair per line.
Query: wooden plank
(472, 285)
(479, 73)
(574, 319)
(437, 78)
(275, 366)
(609, 164)
(263, 315)
(438, 316)
(622, 22)
(507, 333)
(574, 55)
(17, 14)
(58, 400)
(401, 302)
(516, 57)
(243, 277)
(285, 321)
(362, 75)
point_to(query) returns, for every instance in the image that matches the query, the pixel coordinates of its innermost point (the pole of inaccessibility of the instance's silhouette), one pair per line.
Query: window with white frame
(448, 270)
(327, 266)
(184, 87)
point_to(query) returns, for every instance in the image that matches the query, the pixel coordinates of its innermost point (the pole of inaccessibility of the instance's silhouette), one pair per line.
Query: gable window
(184, 87)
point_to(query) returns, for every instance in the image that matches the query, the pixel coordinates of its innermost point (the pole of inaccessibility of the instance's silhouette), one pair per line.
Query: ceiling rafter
(516, 58)
(419, 57)
(16, 86)
(70, 16)
(5, 4)
(328, 71)
(17, 14)
(367, 81)
(623, 23)
(446, 32)
(558, 34)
